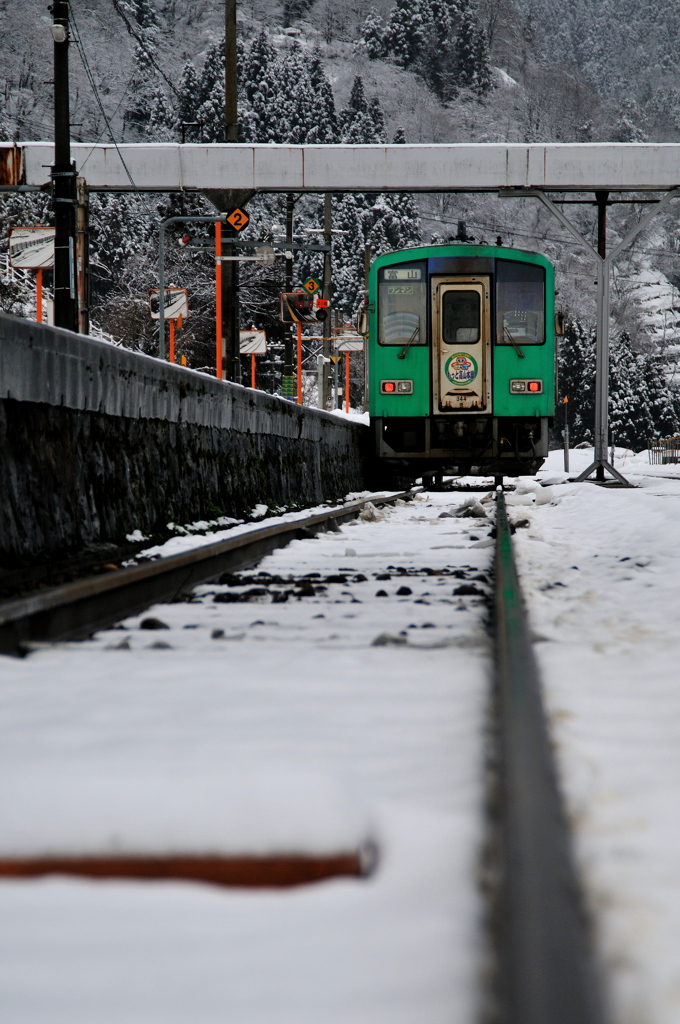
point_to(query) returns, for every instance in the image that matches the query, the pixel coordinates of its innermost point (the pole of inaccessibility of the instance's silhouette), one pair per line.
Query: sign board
(253, 343)
(31, 248)
(238, 219)
(175, 303)
(348, 343)
(347, 340)
(311, 285)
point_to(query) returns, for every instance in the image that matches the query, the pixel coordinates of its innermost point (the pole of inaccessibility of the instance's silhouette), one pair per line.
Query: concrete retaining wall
(97, 441)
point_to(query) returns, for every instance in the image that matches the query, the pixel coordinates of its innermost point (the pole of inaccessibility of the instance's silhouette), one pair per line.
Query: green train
(461, 361)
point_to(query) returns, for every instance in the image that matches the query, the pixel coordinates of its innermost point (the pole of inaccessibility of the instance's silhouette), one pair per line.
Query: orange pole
(346, 381)
(38, 295)
(172, 341)
(218, 300)
(252, 369)
(299, 363)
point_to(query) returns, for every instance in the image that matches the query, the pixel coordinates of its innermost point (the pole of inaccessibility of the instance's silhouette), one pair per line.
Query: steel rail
(75, 610)
(547, 971)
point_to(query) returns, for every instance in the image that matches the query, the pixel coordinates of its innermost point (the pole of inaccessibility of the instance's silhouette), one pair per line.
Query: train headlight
(522, 387)
(396, 387)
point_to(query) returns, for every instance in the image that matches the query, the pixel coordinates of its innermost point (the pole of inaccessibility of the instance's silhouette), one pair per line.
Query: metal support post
(299, 363)
(320, 370)
(288, 338)
(63, 175)
(600, 462)
(219, 340)
(327, 291)
(230, 73)
(161, 271)
(230, 313)
(83, 254)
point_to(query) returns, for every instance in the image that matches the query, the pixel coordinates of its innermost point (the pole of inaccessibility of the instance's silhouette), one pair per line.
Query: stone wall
(97, 441)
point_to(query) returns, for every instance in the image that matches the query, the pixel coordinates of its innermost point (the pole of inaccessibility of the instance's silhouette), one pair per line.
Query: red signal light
(389, 386)
(534, 385)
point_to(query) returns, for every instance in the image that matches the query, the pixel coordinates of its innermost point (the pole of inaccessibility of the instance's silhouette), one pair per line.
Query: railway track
(545, 966)
(77, 609)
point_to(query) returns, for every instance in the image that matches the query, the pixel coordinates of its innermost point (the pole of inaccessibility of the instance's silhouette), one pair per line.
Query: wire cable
(95, 90)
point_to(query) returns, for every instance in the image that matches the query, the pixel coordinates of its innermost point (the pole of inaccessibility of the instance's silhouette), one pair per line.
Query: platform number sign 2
(238, 219)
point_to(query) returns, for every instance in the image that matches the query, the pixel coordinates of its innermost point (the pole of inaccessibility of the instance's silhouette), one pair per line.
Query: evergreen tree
(630, 422)
(577, 379)
(472, 58)
(662, 411)
(145, 14)
(405, 32)
(188, 98)
(371, 42)
(162, 125)
(326, 121)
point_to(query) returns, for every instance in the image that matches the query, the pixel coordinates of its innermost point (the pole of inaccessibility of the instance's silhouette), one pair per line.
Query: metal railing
(663, 450)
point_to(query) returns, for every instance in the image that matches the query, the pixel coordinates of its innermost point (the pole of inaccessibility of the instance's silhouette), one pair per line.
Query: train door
(461, 349)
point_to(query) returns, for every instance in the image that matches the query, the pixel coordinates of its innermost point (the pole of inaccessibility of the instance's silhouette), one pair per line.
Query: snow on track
(260, 726)
(601, 574)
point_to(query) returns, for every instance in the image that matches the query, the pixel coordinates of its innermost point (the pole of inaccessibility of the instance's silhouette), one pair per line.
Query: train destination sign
(31, 248)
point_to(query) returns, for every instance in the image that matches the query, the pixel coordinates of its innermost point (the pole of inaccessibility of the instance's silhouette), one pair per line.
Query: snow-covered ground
(261, 726)
(601, 573)
(279, 725)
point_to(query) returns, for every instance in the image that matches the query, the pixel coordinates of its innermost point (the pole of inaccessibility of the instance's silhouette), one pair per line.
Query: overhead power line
(143, 43)
(88, 71)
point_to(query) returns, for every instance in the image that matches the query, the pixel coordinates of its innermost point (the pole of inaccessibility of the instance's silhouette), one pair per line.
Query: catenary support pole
(218, 300)
(230, 73)
(230, 293)
(83, 254)
(604, 264)
(602, 349)
(288, 336)
(327, 292)
(63, 176)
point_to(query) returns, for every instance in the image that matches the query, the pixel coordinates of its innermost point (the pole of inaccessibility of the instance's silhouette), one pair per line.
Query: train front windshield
(520, 303)
(403, 305)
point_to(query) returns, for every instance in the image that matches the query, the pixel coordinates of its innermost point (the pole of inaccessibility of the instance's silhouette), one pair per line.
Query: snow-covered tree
(371, 41)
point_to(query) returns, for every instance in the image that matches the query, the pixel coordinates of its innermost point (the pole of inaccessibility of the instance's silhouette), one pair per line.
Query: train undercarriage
(409, 447)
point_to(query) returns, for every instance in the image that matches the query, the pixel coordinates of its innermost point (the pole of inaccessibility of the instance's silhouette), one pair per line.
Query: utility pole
(602, 374)
(63, 177)
(231, 356)
(83, 254)
(287, 382)
(327, 290)
(230, 73)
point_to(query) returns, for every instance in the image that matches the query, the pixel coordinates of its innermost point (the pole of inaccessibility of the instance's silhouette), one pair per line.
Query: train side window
(520, 303)
(402, 305)
(460, 318)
